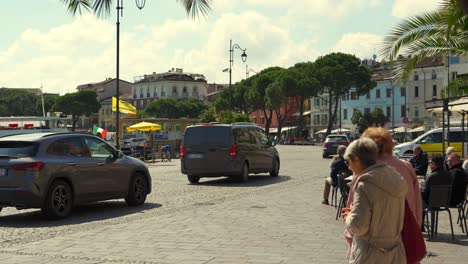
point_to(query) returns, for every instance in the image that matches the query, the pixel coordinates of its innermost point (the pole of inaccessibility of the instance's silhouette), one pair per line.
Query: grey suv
(213, 150)
(55, 171)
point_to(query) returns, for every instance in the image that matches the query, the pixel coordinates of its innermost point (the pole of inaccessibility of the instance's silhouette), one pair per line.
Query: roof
(95, 84)
(430, 62)
(171, 76)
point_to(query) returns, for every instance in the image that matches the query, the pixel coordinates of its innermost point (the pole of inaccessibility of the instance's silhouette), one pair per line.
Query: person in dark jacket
(439, 176)
(419, 161)
(337, 166)
(458, 179)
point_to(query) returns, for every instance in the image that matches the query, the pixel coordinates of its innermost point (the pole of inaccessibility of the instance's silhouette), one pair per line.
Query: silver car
(56, 171)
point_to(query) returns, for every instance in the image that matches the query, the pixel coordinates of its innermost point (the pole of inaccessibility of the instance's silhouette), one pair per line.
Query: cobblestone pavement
(266, 220)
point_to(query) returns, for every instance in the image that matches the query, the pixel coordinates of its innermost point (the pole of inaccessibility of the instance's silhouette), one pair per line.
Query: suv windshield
(18, 148)
(209, 135)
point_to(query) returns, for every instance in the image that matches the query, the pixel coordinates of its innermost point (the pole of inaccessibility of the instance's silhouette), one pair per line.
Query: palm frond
(74, 6)
(102, 8)
(197, 7)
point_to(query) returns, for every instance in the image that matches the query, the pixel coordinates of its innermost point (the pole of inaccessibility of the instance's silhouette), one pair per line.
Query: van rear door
(207, 148)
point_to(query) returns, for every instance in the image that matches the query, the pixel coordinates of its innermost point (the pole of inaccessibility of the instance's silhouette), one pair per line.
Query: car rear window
(18, 148)
(209, 135)
(335, 139)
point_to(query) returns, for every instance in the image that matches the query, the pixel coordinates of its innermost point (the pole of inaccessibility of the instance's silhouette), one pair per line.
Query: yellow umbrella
(144, 127)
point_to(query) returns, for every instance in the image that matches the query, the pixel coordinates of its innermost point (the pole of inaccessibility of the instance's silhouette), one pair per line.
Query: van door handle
(71, 164)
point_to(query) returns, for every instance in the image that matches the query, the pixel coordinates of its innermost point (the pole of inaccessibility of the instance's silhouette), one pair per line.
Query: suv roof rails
(244, 123)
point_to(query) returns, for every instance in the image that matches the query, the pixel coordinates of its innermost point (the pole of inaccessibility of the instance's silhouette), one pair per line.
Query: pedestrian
(448, 152)
(419, 161)
(384, 142)
(376, 217)
(338, 166)
(438, 176)
(458, 179)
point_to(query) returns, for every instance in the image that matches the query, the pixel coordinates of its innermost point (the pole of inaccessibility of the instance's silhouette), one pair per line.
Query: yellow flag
(124, 107)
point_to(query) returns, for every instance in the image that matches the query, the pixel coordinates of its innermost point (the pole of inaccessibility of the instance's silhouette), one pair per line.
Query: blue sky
(42, 44)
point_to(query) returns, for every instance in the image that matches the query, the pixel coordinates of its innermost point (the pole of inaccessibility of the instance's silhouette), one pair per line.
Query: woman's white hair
(365, 149)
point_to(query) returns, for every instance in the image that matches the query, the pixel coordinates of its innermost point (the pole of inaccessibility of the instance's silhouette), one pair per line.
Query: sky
(42, 44)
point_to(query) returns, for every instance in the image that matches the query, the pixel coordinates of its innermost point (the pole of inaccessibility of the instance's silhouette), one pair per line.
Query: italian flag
(99, 130)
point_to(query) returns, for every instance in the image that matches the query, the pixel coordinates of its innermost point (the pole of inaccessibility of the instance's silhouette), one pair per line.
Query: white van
(431, 142)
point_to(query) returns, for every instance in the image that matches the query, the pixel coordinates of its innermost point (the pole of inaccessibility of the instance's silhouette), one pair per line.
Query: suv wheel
(58, 202)
(138, 191)
(193, 179)
(244, 176)
(275, 168)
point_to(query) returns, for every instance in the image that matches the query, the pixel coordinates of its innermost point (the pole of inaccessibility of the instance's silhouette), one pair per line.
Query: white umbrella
(340, 130)
(459, 105)
(321, 131)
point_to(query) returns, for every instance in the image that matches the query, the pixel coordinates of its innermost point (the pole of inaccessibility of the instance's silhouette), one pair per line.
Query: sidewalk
(281, 224)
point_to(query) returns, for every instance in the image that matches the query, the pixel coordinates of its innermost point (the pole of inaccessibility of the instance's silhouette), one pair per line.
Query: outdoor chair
(344, 191)
(462, 213)
(439, 200)
(334, 196)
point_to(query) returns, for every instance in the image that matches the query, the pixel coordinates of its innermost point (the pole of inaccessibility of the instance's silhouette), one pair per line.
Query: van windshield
(209, 135)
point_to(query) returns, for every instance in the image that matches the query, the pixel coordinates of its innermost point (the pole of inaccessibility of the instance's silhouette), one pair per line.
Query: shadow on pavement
(254, 181)
(81, 214)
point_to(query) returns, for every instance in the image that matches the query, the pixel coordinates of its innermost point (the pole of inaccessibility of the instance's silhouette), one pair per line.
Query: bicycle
(166, 156)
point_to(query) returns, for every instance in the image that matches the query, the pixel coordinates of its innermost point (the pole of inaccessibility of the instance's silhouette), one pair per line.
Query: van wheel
(275, 168)
(58, 202)
(193, 179)
(244, 173)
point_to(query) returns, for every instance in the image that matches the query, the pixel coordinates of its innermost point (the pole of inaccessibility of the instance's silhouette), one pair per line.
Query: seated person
(439, 176)
(337, 166)
(458, 179)
(419, 161)
(449, 151)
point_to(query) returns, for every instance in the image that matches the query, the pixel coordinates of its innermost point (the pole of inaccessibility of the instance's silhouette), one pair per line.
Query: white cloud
(84, 50)
(362, 45)
(406, 8)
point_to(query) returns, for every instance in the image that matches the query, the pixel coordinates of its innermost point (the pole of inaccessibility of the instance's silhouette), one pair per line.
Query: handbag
(412, 237)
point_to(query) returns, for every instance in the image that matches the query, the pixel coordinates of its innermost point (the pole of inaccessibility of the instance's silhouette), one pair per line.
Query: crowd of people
(380, 185)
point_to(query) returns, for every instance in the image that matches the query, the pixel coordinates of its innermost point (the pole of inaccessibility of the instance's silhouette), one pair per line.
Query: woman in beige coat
(376, 216)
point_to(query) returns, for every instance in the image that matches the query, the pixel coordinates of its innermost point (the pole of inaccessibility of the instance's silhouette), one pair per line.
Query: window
(134, 94)
(98, 149)
(416, 111)
(195, 91)
(403, 110)
(368, 95)
(184, 92)
(432, 138)
(147, 91)
(317, 119)
(354, 96)
(389, 93)
(403, 91)
(155, 92)
(19, 148)
(317, 101)
(377, 93)
(389, 111)
(345, 114)
(174, 91)
(366, 110)
(343, 97)
(69, 147)
(163, 91)
(434, 75)
(434, 90)
(416, 76)
(416, 91)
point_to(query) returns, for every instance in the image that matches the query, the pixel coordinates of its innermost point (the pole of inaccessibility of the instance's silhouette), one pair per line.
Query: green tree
(357, 114)
(84, 102)
(280, 100)
(441, 32)
(208, 115)
(175, 108)
(236, 98)
(17, 102)
(49, 102)
(337, 74)
(103, 7)
(229, 117)
(378, 116)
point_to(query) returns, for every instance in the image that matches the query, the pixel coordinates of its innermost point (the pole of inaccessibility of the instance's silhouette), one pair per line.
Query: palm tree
(102, 7)
(442, 32)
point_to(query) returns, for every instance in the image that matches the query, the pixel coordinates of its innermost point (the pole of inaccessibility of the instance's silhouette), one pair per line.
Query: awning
(321, 131)
(283, 129)
(399, 129)
(304, 114)
(417, 129)
(459, 106)
(342, 130)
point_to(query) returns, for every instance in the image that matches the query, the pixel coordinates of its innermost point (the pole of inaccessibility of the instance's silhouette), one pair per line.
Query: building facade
(172, 84)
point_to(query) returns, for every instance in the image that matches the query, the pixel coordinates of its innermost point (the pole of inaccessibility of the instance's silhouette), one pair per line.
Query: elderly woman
(376, 216)
(384, 142)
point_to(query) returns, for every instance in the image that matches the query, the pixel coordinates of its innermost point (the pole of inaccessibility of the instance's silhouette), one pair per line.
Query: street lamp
(231, 58)
(248, 70)
(140, 4)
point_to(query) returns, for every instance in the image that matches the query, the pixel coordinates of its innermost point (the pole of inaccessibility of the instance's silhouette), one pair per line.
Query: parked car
(233, 150)
(331, 143)
(56, 171)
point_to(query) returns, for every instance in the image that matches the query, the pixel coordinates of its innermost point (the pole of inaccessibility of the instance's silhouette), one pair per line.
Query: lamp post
(140, 4)
(231, 58)
(248, 70)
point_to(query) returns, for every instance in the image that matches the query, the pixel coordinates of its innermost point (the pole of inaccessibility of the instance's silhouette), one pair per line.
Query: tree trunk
(301, 118)
(330, 120)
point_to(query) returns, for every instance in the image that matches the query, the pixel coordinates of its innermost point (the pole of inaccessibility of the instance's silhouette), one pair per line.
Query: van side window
(263, 137)
(242, 136)
(456, 136)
